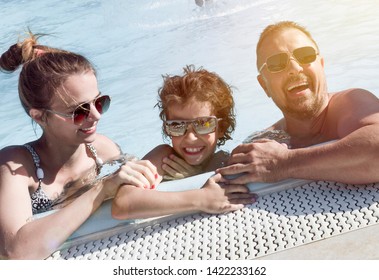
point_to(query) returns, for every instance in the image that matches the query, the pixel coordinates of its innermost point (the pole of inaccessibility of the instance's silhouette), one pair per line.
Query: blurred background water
(134, 43)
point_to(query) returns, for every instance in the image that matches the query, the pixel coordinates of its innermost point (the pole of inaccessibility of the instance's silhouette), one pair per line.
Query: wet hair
(44, 70)
(279, 27)
(203, 86)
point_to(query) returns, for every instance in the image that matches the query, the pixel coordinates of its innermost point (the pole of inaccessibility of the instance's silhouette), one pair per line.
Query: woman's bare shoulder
(15, 161)
(106, 148)
(15, 154)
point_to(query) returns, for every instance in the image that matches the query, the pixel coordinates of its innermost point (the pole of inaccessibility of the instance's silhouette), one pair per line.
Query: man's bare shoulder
(279, 125)
(351, 109)
(354, 95)
(355, 101)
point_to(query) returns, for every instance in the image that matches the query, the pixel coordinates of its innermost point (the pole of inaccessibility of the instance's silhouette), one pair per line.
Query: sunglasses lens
(102, 104)
(305, 55)
(81, 113)
(205, 125)
(277, 62)
(175, 128)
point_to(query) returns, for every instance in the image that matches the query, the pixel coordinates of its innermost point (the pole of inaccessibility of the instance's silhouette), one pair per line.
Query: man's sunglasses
(278, 62)
(81, 113)
(202, 125)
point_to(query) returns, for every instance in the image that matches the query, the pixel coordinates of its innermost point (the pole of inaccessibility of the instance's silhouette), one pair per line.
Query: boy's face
(194, 148)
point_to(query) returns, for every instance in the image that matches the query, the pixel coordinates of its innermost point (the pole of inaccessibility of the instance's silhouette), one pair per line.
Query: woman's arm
(21, 237)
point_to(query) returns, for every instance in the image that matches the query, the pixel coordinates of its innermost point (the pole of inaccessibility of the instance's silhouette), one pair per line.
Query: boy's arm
(133, 203)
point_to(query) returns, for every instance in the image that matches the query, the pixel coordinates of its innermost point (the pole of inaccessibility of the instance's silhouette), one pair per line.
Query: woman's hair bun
(12, 58)
(20, 53)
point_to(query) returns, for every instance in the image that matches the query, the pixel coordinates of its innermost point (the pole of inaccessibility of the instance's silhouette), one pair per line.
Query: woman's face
(78, 89)
(192, 147)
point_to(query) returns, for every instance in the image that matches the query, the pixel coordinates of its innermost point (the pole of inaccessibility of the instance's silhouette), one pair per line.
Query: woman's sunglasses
(81, 112)
(202, 125)
(278, 62)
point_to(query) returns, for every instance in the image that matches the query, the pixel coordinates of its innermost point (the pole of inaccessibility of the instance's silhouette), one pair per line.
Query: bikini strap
(93, 151)
(39, 172)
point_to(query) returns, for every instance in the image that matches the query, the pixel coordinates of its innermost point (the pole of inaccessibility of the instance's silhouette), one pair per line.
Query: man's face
(299, 90)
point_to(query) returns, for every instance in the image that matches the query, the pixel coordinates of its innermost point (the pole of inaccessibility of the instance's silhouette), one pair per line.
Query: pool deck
(360, 244)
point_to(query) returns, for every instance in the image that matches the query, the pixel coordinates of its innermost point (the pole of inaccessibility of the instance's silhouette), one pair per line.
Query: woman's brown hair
(44, 70)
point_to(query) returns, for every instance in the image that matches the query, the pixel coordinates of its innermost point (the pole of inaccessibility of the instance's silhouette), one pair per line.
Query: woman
(58, 90)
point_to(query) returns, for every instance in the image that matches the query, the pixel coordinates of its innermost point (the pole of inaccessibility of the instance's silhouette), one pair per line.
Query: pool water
(134, 43)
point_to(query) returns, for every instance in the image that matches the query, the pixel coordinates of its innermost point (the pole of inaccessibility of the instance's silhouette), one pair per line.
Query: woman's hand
(177, 168)
(141, 174)
(218, 197)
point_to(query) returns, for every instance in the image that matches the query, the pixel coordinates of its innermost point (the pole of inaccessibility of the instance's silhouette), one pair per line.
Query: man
(291, 72)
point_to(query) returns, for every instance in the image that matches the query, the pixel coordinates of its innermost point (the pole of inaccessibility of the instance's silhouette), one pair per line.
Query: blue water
(132, 43)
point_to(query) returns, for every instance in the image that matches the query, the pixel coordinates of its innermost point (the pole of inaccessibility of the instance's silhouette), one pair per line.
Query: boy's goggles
(202, 125)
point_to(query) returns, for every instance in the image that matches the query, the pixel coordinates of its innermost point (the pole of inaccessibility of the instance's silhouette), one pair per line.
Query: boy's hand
(177, 168)
(219, 197)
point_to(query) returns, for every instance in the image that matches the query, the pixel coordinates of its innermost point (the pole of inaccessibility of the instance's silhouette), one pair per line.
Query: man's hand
(261, 161)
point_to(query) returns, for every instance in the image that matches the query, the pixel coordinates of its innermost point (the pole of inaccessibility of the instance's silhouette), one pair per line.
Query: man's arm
(354, 117)
(352, 159)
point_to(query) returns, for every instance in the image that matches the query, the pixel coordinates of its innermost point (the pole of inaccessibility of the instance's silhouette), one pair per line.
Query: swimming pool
(132, 43)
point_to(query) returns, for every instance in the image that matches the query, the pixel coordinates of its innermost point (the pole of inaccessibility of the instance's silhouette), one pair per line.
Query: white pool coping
(313, 220)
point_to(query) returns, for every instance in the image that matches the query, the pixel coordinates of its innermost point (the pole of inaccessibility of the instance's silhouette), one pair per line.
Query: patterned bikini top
(40, 201)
